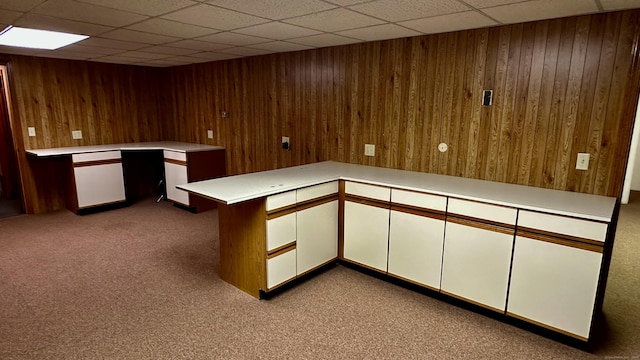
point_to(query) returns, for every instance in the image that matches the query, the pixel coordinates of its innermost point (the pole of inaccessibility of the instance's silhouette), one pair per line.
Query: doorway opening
(10, 191)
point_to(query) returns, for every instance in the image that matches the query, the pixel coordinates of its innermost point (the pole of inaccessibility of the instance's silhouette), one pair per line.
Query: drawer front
(96, 156)
(369, 191)
(316, 191)
(495, 213)
(421, 200)
(281, 231)
(175, 155)
(99, 184)
(281, 200)
(563, 225)
(281, 268)
(176, 175)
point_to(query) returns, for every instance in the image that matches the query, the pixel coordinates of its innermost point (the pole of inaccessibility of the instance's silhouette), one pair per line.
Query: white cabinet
(317, 240)
(416, 236)
(175, 173)
(366, 232)
(281, 231)
(281, 268)
(98, 179)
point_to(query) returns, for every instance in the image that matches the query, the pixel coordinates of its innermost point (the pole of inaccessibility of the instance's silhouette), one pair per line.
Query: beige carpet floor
(141, 283)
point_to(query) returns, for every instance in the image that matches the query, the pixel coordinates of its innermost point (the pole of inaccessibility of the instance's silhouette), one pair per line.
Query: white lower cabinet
(317, 237)
(176, 175)
(415, 248)
(281, 268)
(281, 231)
(366, 234)
(476, 264)
(98, 178)
(554, 285)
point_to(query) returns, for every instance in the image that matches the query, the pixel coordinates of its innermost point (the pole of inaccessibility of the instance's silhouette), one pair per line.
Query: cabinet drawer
(175, 155)
(96, 156)
(316, 191)
(176, 175)
(563, 225)
(281, 231)
(281, 268)
(281, 200)
(99, 184)
(483, 211)
(369, 191)
(421, 200)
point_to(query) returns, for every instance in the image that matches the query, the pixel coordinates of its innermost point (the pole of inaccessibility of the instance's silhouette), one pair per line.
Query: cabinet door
(281, 231)
(99, 184)
(476, 264)
(176, 175)
(317, 238)
(366, 234)
(281, 268)
(554, 285)
(415, 248)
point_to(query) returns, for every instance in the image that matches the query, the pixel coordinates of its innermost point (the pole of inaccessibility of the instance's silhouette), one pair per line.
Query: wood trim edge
(549, 327)
(96, 162)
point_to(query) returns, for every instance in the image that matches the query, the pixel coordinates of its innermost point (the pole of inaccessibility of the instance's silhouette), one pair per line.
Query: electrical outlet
(210, 134)
(582, 163)
(369, 150)
(76, 134)
(32, 131)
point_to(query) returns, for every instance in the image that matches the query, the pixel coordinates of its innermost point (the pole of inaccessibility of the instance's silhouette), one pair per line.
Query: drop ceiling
(179, 32)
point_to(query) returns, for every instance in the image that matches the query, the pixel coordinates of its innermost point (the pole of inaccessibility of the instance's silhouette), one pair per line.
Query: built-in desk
(95, 173)
(533, 256)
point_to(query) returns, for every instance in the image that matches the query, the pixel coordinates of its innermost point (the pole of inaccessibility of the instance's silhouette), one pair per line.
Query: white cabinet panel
(175, 155)
(176, 175)
(366, 231)
(317, 238)
(370, 191)
(484, 211)
(554, 284)
(281, 268)
(96, 156)
(281, 231)
(476, 264)
(415, 248)
(99, 184)
(281, 200)
(563, 225)
(426, 201)
(316, 191)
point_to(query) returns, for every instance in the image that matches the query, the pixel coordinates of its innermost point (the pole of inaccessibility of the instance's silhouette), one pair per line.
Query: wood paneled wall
(560, 87)
(109, 103)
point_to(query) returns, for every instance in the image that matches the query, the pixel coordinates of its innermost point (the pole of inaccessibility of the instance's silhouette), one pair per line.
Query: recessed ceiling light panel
(37, 39)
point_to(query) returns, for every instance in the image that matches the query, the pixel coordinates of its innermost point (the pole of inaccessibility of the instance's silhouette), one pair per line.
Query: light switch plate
(76, 134)
(582, 163)
(369, 150)
(32, 131)
(210, 134)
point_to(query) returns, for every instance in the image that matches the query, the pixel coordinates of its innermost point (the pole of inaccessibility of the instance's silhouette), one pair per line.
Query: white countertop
(239, 188)
(156, 145)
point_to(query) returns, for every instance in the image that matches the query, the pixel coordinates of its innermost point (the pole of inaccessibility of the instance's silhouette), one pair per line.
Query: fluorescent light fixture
(37, 39)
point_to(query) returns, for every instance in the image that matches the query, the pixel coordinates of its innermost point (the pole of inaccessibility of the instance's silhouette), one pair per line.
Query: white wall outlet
(32, 131)
(210, 134)
(369, 150)
(583, 161)
(443, 147)
(76, 134)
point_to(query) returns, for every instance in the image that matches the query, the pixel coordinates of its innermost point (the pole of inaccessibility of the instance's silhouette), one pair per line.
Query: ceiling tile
(233, 39)
(619, 4)
(65, 55)
(171, 28)
(72, 10)
(91, 50)
(118, 59)
(540, 9)
(380, 32)
(185, 59)
(145, 7)
(168, 50)
(144, 55)
(280, 46)
(113, 44)
(277, 31)
(35, 21)
(274, 9)
(20, 5)
(323, 40)
(212, 56)
(19, 50)
(479, 4)
(137, 36)
(244, 51)
(198, 45)
(451, 22)
(335, 20)
(214, 17)
(8, 16)
(393, 10)
(346, 2)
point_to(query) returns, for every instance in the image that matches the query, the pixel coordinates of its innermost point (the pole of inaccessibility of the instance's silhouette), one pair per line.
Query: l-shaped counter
(537, 255)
